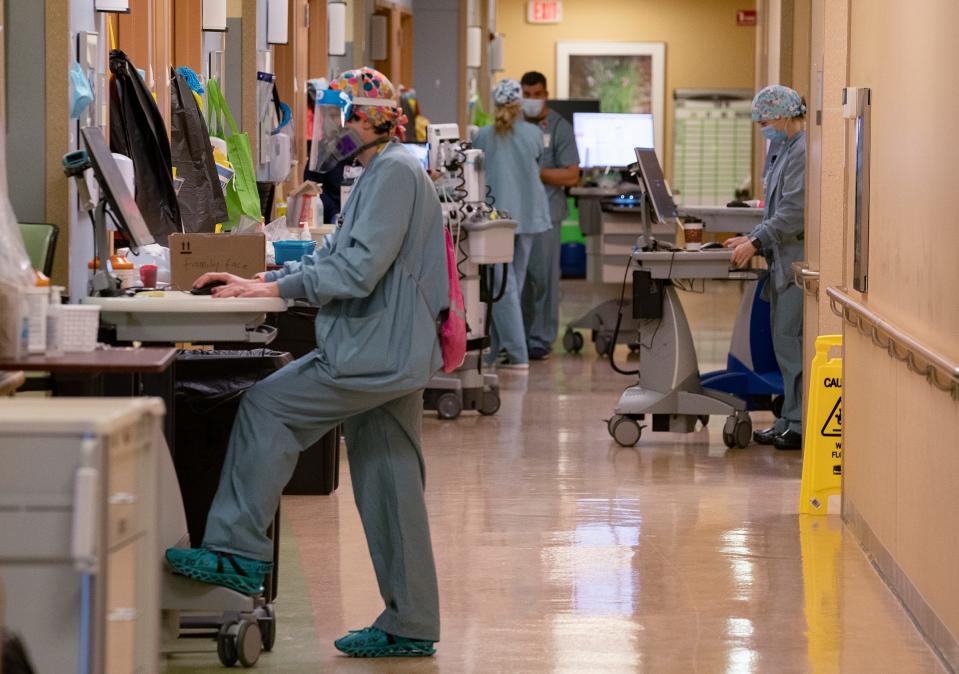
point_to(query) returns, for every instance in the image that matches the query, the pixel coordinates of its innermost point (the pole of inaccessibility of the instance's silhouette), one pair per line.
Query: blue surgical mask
(81, 91)
(532, 107)
(773, 134)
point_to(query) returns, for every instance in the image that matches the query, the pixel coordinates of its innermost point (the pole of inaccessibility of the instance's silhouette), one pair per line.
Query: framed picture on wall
(623, 76)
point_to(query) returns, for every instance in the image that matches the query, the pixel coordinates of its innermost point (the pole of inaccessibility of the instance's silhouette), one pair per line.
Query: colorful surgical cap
(776, 102)
(506, 92)
(367, 87)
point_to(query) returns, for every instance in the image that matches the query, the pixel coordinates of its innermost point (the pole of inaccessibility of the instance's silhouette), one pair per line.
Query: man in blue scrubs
(559, 169)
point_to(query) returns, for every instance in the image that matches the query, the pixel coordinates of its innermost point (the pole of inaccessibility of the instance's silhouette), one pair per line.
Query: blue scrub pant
(507, 331)
(291, 410)
(540, 299)
(786, 316)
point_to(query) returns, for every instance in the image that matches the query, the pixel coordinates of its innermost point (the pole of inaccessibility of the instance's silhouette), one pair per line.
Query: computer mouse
(207, 289)
(712, 245)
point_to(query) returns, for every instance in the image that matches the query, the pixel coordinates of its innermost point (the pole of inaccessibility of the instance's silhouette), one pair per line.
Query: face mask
(532, 107)
(340, 145)
(773, 134)
(81, 93)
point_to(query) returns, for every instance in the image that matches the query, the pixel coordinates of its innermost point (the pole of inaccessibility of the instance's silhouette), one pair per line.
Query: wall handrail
(936, 368)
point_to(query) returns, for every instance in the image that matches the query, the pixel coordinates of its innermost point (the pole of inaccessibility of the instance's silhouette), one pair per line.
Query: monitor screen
(566, 108)
(608, 138)
(121, 202)
(652, 177)
(418, 150)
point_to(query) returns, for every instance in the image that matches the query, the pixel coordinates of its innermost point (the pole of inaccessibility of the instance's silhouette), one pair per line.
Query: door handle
(806, 278)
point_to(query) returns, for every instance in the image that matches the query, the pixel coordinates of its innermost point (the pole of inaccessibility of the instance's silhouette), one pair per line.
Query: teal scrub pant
(290, 411)
(540, 299)
(786, 316)
(507, 331)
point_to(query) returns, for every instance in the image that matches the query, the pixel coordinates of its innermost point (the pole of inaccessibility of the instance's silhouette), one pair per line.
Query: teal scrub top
(559, 151)
(781, 231)
(380, 281)
(512, 173)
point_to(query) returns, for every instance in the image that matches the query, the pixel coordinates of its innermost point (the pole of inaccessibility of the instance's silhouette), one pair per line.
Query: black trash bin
(209, 387)
(318, 468)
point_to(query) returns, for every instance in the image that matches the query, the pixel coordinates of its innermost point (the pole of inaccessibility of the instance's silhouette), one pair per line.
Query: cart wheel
(490, 403)
(266, 618)
(572, 341)
(611, 423)
(743, 432)
(777, 405)
(449, 406)
(603, 345)
(626, 432)
(226, 644)
(729, 431)
(704, 420)
(249, 643)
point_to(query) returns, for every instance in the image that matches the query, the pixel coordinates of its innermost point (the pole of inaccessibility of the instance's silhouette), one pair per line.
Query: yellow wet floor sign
(822, 441)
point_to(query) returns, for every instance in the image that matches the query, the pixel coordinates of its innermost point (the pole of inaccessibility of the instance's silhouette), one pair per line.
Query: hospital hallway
(559, 551)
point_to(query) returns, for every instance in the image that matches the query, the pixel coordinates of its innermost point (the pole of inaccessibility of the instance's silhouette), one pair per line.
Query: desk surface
(177, 302)
(116, 360)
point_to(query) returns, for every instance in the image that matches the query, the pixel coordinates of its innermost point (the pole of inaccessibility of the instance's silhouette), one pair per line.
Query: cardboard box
(192, 255)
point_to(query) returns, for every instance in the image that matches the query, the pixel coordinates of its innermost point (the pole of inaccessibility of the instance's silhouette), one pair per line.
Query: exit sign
(544, 11)
(746, 17)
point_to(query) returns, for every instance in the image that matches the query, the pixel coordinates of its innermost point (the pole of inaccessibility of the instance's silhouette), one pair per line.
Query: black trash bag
(14, 658)
(202, 204)
(137, 131)
(209, 388)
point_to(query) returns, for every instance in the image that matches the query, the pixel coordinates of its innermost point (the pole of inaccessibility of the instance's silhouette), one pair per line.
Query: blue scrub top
(380, 281)
(559, 151)
(512, 173)
(781, 231)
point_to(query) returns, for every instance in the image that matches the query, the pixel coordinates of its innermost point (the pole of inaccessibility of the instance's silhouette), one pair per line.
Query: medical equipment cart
(79, 548)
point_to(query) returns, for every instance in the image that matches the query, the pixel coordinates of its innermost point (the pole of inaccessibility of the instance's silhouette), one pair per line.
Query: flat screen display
(121, 202)
(568, 107)
(608, 138)
(419, 151)
(652, 177)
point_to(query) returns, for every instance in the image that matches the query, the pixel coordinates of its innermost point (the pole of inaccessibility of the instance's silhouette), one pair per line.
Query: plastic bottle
(54, 322)
(37, 298)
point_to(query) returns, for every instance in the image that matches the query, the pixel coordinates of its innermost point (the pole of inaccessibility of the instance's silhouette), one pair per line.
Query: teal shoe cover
(207, 566)
(372, 642)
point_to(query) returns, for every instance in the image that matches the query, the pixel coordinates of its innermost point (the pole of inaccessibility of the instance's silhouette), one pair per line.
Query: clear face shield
(333, 141)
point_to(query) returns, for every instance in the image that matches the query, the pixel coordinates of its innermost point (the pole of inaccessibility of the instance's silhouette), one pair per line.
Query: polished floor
(559, 551)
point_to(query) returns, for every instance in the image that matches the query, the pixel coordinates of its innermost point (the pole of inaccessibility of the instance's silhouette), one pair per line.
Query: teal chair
(41, 243)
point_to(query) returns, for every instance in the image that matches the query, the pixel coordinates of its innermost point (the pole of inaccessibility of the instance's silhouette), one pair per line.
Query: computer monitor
(567, 107)
(653, 181)
(607, 139)
(121, 203)
(420, 151)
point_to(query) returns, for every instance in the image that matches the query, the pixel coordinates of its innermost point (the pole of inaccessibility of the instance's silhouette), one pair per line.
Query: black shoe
(788, 440)
(766, 436)
(538, 353)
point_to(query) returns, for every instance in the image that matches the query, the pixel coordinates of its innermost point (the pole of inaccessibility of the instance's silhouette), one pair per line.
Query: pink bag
(453, 329)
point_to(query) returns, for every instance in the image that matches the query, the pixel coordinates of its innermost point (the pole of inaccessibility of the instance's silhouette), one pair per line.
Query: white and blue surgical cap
(776, 102)
(506, 92)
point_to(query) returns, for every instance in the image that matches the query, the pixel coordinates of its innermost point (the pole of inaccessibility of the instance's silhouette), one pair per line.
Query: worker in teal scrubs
(380, 284)
(512, 150)
(559, 169)
(780, 113)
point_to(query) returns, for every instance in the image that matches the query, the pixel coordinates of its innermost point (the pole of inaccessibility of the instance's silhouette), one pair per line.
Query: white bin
(490, 241)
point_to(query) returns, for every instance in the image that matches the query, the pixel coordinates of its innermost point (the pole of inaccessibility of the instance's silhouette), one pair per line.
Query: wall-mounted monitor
(608, 139)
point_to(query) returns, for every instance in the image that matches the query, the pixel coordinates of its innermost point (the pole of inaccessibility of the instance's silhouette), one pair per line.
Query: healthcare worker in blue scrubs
(780, 113)
(559, 169)
(513, 148)
(380, 284)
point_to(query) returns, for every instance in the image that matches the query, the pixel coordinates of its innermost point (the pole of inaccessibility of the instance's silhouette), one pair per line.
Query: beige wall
(704, 47)
(901, 447)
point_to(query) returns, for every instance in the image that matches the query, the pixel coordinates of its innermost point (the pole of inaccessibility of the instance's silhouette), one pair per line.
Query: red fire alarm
(746, 17)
